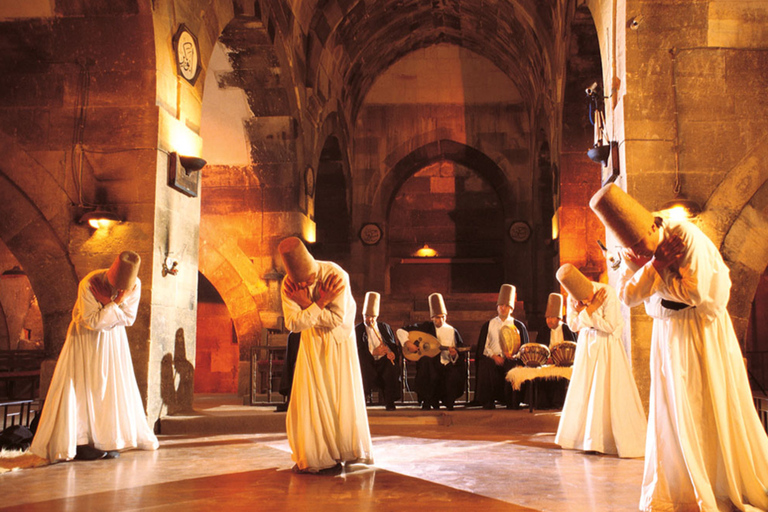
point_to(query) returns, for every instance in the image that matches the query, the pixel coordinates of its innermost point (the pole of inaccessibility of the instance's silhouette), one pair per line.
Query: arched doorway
(217, 352)
(454, 211)
(331, 206)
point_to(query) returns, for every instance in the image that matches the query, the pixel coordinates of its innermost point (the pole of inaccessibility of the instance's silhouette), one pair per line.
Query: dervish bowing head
(326, 423)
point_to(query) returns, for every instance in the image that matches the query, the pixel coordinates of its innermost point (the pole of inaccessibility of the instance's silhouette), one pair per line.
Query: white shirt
(374, 339)
(556, 336)
(493, 340)
(447, 338)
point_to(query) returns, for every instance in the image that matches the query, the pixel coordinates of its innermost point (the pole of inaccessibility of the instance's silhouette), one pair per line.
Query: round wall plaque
(309, 181)
(519, 231)
(187, 54)
(370, 234)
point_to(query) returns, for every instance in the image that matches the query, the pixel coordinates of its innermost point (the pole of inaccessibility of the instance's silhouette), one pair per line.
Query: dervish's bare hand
(632, 259)
(329, 289)
(390, 355)
(597, 300)
(101, 291)
(296, 293)
(669, 251)
(119, 297)
(452, 352)
(499, 360)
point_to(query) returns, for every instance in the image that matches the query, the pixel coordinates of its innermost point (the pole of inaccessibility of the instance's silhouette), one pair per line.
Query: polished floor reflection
(464, 459)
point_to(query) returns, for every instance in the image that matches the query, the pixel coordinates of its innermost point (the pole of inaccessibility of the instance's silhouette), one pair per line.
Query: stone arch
(35, 244)
(407, 165)
(249, 202)
(233, 275)
(735, 219)
(333, 192)
(442, 149)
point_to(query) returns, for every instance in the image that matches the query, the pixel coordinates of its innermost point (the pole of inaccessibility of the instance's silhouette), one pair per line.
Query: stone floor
(467, 459)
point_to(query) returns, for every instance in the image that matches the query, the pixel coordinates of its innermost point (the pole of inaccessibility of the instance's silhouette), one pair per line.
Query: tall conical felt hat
(622, 214)
(298, 263)
(507, 295)
(436, 305)
(575, 283)
(371, 304)
(554, 306)
(125, 270)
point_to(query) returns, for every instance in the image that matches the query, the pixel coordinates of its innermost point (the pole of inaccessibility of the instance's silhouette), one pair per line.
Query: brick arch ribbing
(405, 165)
(32, 238)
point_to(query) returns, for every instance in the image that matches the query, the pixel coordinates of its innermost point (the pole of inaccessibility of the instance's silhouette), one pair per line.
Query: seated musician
(552, 392)
(558, 330)
(493, 361)
(441, 378)
(377, 350)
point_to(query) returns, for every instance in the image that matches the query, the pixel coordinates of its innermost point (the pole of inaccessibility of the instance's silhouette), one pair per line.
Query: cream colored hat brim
(507, 295)
(627, 219)
(437, 305)
(298, 263)
(554, 306)
(575, 283)
(371, 304)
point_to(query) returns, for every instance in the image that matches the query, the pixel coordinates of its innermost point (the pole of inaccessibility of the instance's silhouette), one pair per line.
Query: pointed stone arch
(34, 242)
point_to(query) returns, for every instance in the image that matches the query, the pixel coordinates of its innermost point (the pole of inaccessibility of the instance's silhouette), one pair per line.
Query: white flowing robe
(706, 447)
(93, 397)
(326, 421)
(602, 410)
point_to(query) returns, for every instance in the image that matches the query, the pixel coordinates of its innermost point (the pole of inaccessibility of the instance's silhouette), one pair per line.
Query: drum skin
(534, 354)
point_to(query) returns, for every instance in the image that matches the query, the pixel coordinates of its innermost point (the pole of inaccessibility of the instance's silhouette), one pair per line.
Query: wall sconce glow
(310, 232)
(425, 252)
(98, 219)
(680, 209)
(556, 225)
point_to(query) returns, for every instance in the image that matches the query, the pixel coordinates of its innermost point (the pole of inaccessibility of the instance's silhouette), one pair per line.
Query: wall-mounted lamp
(604, 152)
(182, 173)
(425, 252)
(99, 219)
(680, 208)
(13, 272)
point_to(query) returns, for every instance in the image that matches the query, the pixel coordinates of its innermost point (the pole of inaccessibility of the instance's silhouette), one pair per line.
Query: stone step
(263, 419)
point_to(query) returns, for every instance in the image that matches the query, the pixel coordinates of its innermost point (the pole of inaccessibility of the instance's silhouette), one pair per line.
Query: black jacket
(387, 336)
(481, 339)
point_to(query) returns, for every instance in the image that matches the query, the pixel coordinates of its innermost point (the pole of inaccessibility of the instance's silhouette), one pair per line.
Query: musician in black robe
(378, 353)
(441, 378)
(491, 360)
(552, 392)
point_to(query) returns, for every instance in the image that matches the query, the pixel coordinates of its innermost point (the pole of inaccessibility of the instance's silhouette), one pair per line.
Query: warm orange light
(425, 252)
(98, 219)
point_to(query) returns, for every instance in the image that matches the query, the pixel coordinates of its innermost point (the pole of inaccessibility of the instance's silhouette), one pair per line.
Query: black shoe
(425, 407)
(391, 407)
(112, 454)
(281, 407)
(449, 407)
(489, 406)
(88, 452)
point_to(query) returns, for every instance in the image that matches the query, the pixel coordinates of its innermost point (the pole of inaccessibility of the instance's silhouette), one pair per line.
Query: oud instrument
(426, 345)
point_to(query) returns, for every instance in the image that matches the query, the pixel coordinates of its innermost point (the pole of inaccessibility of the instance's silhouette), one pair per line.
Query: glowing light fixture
(680, 208)
(13, 272)
(100, 219)
(425, 252)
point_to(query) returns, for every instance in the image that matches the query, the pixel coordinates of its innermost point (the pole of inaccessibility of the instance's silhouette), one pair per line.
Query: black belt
(675, 306)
